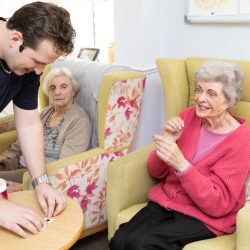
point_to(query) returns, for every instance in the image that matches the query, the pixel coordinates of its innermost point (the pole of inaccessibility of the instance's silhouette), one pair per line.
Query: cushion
(226, 242)
(128, 213)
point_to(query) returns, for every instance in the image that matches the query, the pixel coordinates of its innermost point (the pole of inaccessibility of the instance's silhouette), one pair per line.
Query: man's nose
(39, 69)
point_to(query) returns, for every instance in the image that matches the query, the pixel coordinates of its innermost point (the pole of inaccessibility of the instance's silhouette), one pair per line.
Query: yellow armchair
(128, 179)
(118, 95)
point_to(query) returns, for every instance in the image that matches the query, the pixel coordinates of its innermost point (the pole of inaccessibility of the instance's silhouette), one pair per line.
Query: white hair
(229, 74)
(63, 71)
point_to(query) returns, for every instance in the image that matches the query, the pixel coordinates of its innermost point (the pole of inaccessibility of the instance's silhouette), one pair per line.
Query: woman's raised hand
(173, 128)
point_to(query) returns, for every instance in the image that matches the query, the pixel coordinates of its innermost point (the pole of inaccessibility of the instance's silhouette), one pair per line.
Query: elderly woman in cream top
(67, 128)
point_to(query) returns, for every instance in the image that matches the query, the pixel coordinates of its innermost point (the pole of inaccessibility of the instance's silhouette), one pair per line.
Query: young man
(36, 35)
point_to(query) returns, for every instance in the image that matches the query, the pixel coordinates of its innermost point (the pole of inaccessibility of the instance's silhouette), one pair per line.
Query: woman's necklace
(4, 69)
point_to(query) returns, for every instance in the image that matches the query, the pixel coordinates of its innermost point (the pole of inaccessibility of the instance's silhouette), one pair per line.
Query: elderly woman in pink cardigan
(67, 128)
(202, 159)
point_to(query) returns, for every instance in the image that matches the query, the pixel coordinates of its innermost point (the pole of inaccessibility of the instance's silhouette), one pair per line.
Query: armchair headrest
(89, 76)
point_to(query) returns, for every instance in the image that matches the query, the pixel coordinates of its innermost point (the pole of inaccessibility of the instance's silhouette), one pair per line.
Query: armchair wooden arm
(56, 166)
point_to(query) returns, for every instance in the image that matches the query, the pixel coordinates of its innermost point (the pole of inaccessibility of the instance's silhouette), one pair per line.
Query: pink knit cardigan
(212, 190)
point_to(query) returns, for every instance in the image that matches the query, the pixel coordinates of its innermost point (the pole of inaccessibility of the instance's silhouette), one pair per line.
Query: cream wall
(148, 29)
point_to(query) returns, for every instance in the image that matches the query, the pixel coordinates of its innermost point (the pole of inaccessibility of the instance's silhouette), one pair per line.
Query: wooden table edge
(75, 239)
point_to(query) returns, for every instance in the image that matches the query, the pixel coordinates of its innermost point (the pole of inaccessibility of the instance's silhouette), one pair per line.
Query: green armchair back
(178, 84)
(128, 179)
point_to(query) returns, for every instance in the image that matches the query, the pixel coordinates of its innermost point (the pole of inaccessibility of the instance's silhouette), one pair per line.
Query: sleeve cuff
(180, 173)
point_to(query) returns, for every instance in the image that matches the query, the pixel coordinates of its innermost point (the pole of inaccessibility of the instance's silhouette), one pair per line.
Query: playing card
(47, 220)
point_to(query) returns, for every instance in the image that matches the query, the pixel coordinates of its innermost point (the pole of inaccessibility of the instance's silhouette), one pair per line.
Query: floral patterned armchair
(118, 98)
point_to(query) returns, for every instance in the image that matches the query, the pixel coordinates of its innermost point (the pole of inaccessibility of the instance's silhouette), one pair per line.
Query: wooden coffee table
(62, 233)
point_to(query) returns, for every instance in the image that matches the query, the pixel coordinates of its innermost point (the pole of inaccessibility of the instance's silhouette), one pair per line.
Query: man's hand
(51, 201)
(17, 218)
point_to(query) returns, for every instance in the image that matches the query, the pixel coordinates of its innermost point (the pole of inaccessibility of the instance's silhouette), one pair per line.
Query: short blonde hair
(62, 71)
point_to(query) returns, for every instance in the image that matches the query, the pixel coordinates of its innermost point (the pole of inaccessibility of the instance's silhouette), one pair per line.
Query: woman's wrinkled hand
(173, 128)
(169, 152)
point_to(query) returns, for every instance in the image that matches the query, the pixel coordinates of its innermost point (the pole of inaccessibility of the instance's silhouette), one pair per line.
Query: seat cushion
(128, 213)
(226, 242)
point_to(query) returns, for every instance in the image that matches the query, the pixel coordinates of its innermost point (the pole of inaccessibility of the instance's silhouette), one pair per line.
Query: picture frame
(88, 54)
(215, 11)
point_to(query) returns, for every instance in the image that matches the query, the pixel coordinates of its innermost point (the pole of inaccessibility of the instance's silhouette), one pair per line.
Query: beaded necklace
(4, 69)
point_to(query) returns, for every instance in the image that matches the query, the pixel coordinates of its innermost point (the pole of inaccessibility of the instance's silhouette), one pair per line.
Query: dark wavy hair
(38, 21)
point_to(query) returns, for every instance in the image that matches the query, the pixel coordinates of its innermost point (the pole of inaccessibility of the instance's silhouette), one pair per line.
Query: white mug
(3, 188)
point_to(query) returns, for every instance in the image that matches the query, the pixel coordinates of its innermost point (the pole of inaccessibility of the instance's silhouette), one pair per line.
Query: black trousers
(154, 227)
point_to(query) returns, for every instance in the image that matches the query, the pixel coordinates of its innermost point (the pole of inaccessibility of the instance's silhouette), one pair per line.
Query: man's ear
(16, 38)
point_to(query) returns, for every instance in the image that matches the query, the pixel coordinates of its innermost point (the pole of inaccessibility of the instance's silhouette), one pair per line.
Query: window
(93, 21)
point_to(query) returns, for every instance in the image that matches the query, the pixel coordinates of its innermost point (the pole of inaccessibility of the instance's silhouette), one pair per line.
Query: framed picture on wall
(212, 8)
(88, 54)
(204, 11)
(244, 7)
